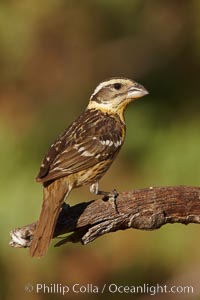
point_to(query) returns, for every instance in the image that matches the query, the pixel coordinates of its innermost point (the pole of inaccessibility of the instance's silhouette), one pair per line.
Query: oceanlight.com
(109, 288)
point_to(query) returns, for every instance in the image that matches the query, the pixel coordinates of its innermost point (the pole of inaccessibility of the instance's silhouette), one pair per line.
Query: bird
(83, 153)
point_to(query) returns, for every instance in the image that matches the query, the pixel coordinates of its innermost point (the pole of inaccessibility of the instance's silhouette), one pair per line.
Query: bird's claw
(112, 197)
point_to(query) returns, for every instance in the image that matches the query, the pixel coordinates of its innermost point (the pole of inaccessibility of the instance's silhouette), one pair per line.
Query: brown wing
(93, 137)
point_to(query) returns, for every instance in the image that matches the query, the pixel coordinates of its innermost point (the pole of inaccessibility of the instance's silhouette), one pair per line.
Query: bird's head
(113, 95)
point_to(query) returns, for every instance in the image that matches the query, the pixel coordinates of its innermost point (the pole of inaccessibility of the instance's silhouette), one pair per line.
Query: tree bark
(145, 209)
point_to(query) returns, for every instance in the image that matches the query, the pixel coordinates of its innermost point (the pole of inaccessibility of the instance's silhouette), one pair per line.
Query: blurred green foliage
(52, 55)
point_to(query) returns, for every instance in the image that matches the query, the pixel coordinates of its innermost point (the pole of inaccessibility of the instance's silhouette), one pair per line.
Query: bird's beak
(137, 91)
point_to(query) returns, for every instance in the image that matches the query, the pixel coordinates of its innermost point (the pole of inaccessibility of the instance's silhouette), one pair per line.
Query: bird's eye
(117, 86)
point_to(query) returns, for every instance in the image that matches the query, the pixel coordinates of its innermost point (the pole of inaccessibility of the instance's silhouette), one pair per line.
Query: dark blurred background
(52, 56)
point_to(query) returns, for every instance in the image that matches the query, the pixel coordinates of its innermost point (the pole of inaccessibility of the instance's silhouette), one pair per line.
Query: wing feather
(93, 137)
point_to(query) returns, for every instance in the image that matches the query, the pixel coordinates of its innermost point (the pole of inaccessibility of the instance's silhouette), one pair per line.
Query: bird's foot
(112, 197)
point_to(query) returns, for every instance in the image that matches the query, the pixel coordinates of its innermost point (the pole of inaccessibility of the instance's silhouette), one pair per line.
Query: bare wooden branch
(146, 209)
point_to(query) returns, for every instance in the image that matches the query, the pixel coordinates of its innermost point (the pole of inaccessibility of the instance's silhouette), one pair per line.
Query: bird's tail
(53, 197)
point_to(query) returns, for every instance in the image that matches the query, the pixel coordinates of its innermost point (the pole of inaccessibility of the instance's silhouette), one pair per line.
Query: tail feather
(53, 197)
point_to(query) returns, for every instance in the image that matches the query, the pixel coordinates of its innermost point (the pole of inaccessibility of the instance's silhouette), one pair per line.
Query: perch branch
(145, 209)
